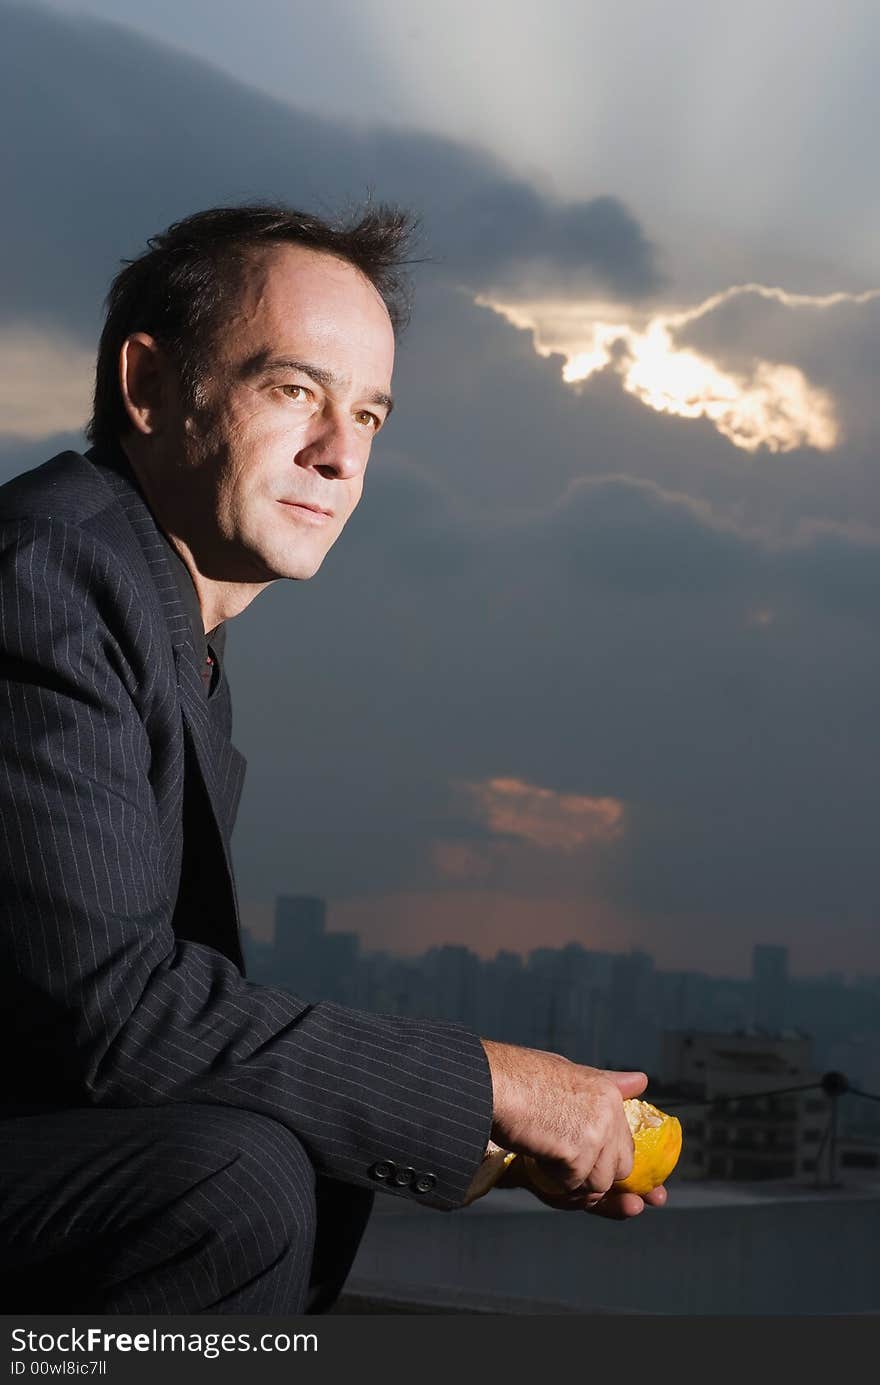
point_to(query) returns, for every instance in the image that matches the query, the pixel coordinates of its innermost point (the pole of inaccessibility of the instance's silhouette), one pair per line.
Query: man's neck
(218, 601)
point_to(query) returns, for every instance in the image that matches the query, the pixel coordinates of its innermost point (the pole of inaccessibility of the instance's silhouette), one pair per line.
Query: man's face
(299, 384)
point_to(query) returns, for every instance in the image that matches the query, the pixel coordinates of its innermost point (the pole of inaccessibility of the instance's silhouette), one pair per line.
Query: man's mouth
(312, 513)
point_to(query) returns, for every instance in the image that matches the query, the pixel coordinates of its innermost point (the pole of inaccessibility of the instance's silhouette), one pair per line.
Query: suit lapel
(206, 722)
(220, 764)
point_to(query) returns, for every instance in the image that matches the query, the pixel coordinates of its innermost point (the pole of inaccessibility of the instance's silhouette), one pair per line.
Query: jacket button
(425, 1182)
(383, 1170)
(403, 1178)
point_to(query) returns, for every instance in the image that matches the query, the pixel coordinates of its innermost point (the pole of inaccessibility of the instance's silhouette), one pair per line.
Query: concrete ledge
(369, 1296)
(725, 1251)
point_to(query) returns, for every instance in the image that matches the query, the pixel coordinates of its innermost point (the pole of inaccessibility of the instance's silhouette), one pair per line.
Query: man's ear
(144, 381)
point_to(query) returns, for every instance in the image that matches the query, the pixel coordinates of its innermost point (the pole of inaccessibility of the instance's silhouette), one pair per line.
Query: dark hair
(178, 288)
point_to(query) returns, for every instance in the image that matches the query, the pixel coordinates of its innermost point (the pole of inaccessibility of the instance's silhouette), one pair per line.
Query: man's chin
(288, 556)
(302, 568)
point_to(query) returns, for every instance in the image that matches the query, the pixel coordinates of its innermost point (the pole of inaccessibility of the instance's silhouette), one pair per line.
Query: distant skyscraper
(308, 960)
(632, 1034)
(769, 986)
(299, 916)
(299, 934)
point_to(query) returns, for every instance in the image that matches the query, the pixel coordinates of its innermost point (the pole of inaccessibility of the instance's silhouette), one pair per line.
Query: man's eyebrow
(262, 364)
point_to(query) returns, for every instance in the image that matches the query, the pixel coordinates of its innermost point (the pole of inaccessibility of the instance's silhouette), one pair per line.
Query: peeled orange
(657, 1145)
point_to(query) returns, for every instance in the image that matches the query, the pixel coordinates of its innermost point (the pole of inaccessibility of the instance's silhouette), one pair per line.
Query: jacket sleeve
(100, 1003)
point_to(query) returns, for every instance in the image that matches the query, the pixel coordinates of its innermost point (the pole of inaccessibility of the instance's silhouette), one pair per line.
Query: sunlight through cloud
(769, 404)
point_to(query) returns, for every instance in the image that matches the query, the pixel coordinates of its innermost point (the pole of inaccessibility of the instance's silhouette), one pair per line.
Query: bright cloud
(544, 818)
(767, 404)
(46, 380)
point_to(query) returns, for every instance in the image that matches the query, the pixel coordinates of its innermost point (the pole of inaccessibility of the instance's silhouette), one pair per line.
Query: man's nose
(336, 448)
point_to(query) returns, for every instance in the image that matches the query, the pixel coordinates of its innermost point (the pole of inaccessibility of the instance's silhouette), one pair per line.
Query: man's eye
(369, 419)
(296, 392)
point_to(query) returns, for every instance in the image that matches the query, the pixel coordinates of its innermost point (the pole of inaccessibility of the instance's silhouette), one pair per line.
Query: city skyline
(259, 924)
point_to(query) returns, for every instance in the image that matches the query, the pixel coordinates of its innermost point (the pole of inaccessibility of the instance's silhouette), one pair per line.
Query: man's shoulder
(73, 532)
(68, 487)
(91, 498)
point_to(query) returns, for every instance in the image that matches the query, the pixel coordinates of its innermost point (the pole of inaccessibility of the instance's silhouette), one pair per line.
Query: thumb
(628, 1083)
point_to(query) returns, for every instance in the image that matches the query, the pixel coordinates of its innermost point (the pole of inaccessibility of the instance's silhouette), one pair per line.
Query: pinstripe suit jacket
(120, 984)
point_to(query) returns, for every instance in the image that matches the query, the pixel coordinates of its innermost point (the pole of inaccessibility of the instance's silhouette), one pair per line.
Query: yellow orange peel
(656, 1146)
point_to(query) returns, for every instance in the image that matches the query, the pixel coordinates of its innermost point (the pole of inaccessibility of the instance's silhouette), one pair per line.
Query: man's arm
(100, 1004)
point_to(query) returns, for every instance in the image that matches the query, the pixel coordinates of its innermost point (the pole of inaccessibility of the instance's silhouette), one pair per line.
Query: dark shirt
(210, 646)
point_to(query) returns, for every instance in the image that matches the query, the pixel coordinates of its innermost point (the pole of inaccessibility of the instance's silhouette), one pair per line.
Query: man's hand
(618, 1206)
(571, 1120)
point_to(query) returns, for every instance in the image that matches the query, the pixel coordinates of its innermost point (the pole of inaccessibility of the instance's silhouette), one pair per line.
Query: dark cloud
(626, 535)
(114, 136)
(507, 237)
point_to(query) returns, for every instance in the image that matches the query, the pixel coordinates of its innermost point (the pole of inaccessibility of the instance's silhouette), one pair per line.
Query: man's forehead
(296, 302)
(272, 273)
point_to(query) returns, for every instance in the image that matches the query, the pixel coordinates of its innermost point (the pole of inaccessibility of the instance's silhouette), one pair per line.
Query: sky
(596, 657)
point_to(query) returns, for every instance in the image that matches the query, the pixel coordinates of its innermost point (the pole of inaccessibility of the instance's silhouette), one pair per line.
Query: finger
(551, 1176)
(627, 1083)
(602, 1174)
(620, 1204)
(625, 1159)
(657, 1197)
(617, 1206)
(562, 1201)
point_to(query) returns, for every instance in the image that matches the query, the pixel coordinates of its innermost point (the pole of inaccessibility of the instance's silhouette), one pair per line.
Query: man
(174, 1138)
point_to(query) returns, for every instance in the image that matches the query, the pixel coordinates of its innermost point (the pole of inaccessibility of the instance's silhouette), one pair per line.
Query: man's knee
(245, 1176)
(266, 1159)
(169, 1209)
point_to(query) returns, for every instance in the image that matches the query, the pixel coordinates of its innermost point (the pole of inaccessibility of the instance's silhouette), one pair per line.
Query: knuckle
(598, 1182)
